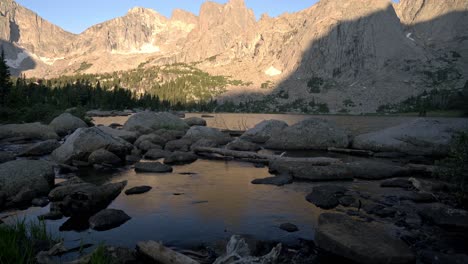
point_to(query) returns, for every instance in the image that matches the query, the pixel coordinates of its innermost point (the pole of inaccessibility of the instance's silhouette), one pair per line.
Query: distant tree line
(24, 100)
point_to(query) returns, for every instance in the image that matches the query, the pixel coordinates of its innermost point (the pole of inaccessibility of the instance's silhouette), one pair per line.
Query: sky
(77, 15)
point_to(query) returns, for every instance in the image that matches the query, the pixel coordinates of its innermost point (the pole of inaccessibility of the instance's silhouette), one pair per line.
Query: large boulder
(84, 141)
(29, 131)
(419, 137)
(360, 241)
(195, 121)
(153, 138)
(264, 130)
(102, 156)
(196, 133)
(155, 154)
(66, 123)
(108, 219)
(178, 145)
(311, 133)
(23, 180)
(313, 169)
(41, 148)
(123, 134)
(84, 198)
(147, 122)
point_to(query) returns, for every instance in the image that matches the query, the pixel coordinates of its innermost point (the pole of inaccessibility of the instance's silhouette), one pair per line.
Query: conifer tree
(5, 82)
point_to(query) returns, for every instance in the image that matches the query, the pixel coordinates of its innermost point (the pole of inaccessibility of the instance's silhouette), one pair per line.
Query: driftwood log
(161, 254)
(262, 158)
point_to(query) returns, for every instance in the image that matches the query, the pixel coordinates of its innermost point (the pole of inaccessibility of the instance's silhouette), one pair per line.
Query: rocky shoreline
(411, 218)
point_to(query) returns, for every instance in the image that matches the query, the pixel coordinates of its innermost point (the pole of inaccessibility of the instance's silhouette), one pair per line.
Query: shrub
(454, 168)
(314, 84)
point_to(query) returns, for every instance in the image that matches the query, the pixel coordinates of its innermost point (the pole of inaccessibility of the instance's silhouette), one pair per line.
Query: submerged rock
(422, 136)
(195, 121)
(278, 180)
(288, 227)
(147, 122)
(23, 180)
(311, 133)
(360, 241)
(264, 130)
(156, 167)
(138, 190)
(326, 196)
(66, 123)
(41, 148)
(108, 219)
(28, 131)
(84, 141)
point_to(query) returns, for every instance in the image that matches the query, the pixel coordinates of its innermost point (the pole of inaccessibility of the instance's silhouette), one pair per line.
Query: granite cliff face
(372, 52)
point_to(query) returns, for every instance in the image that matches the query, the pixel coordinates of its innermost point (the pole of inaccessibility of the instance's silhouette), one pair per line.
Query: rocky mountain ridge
(370, 52)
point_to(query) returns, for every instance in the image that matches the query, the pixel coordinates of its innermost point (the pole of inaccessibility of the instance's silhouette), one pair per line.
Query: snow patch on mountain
(272, 71)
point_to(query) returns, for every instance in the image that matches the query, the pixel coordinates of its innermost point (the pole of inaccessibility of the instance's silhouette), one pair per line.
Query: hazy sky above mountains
(76, 16)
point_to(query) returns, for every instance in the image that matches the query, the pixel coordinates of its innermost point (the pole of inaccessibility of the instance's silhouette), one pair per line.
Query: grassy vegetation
(100, 256)
(19, 242)
(454, 168)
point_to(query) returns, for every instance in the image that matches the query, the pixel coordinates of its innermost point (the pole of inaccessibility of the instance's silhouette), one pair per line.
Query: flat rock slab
(375, 170)
(157, 167)
(108, 219)
(138, 190)
(397, 183)
(360, 241)
(326, 196)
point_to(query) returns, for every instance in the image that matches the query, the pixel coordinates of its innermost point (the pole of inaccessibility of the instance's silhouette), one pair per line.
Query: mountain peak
(141, 10)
